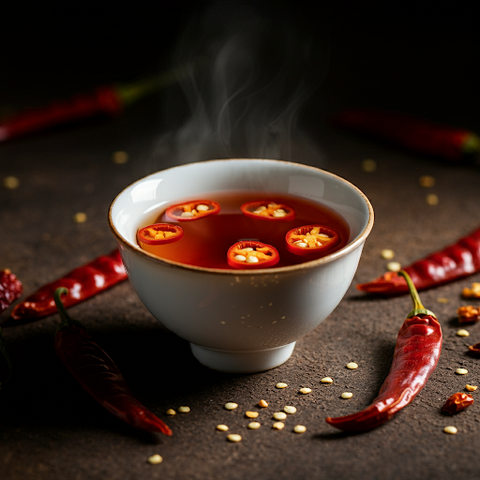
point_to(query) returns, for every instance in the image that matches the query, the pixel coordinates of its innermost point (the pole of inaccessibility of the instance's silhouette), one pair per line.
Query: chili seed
(426, 181)
(352, 366)
(471, 388)
(461, 371)
(346, 395)
(278, 425)
(299, 428)
(289, 409)
(187, 215)
(442, 300)
(279, 416)
(11, 182)
(251, 414)
(263, 404)
(450, 429)
(431, 199)
(183, 409)
(253, 425)
(305, 390)
(281, 385)
(369, 165)
(463, 333)
(394, 266)
(120, 157)
(202, 208)
(240, 258)
(155, 459)
(171, 411)
(231, 406)
(326, 380)
(222, 427)
(234, 437)
(252, 259)
(80, 217)
(387, 254)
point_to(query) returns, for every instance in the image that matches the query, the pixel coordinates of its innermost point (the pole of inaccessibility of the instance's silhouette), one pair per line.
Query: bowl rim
(261, 271)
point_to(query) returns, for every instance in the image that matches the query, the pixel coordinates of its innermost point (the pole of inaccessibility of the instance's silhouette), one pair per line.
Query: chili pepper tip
(418, 308)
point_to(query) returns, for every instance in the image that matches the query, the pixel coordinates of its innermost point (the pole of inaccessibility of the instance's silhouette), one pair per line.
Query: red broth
(206, 241)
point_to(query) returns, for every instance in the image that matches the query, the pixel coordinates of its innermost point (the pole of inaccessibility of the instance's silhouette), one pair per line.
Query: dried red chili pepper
(82, 283)
(159, 234)
(457, 402)
(195, 210)
(454, 262)
(474, 350)
(98, 374)
(311, 239)
(416, 355)
(410, 132)
(249, 254)
(268, 210)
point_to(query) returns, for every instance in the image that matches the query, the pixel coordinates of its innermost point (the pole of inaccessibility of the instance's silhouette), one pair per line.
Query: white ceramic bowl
(241, 320)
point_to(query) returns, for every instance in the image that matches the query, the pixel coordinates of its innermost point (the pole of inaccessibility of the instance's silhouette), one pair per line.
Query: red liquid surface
(206, 241)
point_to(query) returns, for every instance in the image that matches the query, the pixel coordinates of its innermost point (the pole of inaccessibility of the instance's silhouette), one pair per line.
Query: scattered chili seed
(451, 430)
(432, 199)
(299, 428)
(281, 385)
(231, 406)
(426, 181)
(394, 266)
(473, 292)
(346, 395)
(263, 404)
(155, 459)
(171, 411)
(470, 388)
(352, 366)
(183, 409)
(254, 425)
(305, 390)
(461, 371)
(387, 254)
(222, 427)
(369, 165)
(442, 300)
(234, 437)
(326, 380)
(80, 217)
(468, 314)
(279, 416)
(463, 333)
(289, 409)
(11, 182)
(120, 157)
(251, 414)
(278, 425)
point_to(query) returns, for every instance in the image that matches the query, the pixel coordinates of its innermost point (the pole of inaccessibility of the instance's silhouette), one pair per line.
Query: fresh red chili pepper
(311, 239)
(452, 263)
(416, 355)
(268, 210)
(98, 374)
(457, 402)
(411, 132)
(195, 210)
(160, 234)
(249, 254)
(82, 283)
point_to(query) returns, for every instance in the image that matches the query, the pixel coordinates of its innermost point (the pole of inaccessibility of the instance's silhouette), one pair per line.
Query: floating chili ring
(268, 210)
(184, 212)
(160, 234)
(311, 239)
(249, 254)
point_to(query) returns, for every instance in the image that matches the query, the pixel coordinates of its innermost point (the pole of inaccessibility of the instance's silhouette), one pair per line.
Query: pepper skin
(457, 402)
(82, 283)
(416, 355)
(97, 373)
(454, 262)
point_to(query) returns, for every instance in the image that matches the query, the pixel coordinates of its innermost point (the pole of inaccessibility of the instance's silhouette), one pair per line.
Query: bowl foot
(242, 361)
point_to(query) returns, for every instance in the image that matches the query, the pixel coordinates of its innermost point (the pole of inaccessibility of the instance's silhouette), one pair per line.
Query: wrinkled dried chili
(82, 283)
(416, 355)
(98, 374)
(454, 262)
(457, 402)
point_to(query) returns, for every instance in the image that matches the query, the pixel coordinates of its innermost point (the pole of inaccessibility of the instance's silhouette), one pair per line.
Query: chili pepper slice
(468, 314)
(160, 234)
(454, 262)
(98, 374)
(249, 254)
(457, 402)
(268, 210)
(184, 212)
(311, 239)
(82, 283)
(410, 132)
(415, 357)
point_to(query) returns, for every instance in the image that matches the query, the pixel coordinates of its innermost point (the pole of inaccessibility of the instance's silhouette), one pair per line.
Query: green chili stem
(418, 307)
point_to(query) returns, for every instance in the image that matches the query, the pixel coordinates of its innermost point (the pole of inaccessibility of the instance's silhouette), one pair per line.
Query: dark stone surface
(50, 429)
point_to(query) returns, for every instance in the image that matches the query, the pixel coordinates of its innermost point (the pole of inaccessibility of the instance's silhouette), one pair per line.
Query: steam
(243, 79)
